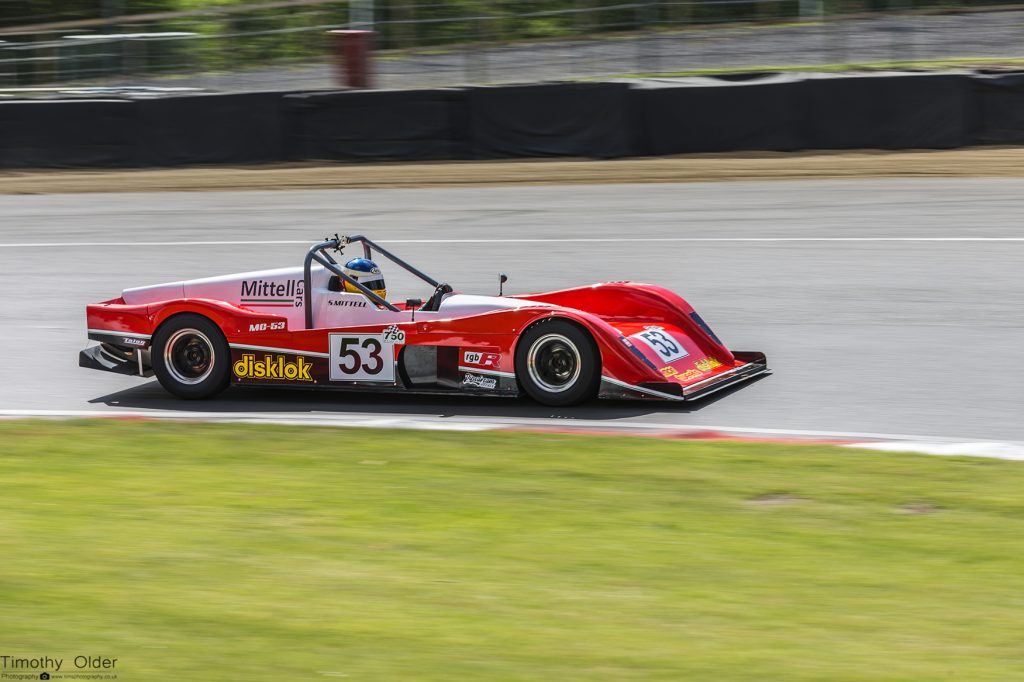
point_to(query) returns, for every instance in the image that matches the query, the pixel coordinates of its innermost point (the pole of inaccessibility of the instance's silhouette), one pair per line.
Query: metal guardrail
(284, 45)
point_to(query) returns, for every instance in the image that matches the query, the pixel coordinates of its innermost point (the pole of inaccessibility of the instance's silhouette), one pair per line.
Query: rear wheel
(191, 357)
(557, 363)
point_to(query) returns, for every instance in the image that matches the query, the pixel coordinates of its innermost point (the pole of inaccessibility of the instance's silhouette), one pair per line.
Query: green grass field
(193, 552)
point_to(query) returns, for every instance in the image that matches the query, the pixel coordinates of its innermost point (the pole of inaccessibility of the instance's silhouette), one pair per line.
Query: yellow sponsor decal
(701, 366)
(274, 367)
(707, 364)
(673, 373)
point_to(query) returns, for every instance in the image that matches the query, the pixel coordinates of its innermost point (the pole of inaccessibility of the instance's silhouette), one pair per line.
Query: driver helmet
(367, 273)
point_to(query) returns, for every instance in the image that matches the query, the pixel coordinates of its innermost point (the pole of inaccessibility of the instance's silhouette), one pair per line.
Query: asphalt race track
(884, 306)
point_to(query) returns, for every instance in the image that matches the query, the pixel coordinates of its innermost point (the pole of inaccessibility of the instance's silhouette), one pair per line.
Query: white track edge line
(930, 445)
(985, 449)
(538, 240)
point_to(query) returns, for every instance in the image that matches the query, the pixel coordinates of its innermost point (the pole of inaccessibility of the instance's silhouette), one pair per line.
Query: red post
(352, 52)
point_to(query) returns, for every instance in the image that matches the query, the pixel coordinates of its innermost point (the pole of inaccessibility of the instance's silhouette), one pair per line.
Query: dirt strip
(986, 162)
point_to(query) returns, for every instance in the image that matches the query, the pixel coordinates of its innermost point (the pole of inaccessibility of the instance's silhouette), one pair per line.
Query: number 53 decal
(662, 343)
(362, 357)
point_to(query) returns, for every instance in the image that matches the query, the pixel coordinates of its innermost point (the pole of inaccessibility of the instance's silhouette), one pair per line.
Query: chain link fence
(284, 45)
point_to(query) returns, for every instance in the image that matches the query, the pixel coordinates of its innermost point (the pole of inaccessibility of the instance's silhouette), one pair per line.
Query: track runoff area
(875, 300)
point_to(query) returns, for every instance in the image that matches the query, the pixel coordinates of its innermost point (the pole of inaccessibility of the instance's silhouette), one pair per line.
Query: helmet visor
(375, 285)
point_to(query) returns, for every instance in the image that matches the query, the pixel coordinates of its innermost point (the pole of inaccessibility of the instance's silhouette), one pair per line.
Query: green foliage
(21, 12)
(255, 38)
(263, 553)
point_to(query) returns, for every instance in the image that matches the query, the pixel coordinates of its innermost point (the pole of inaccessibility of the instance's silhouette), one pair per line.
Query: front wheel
(557, 363)
(191, 357)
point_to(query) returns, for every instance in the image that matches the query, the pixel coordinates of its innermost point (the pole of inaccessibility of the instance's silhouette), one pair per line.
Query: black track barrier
(706, 115)
(68, 133)
(1000, 108)
(765, 112)
(562, 119)
(388, 124)
(887, 112)
(208, 129)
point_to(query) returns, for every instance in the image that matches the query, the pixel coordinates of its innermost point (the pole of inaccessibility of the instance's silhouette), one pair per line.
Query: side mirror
(412, 305)
(502, 278)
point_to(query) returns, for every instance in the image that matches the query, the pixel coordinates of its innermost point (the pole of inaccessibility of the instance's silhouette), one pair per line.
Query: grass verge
(225, 552)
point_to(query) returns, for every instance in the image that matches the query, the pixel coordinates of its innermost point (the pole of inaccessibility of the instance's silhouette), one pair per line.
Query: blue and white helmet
(366, 273)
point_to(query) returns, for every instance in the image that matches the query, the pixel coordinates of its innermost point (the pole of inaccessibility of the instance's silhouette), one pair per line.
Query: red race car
(329, 324)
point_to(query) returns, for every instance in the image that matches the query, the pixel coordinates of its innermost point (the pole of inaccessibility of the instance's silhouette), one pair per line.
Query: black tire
(191, 357)
(557, 363)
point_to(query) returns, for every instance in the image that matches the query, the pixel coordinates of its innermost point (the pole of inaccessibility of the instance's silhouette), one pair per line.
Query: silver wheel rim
(553, 363)
(189, 356)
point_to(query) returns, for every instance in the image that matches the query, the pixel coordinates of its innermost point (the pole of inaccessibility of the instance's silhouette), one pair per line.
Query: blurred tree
(21, 12)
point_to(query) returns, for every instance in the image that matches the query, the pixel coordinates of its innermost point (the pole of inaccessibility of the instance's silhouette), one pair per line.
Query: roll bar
(318, 253)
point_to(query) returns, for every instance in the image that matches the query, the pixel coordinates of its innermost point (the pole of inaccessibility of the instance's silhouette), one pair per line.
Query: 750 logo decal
(393, 334)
